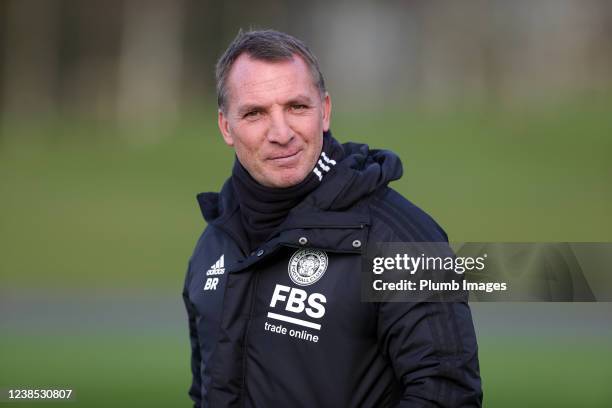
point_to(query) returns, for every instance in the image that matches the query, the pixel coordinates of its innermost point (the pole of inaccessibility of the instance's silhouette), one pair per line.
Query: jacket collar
(331, 218)
(348, 238)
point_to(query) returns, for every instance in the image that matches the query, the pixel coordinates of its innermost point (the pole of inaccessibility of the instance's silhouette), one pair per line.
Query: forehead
(256, 81)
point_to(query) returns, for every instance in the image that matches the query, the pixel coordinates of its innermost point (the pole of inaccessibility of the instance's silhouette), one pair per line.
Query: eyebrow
(299, 99)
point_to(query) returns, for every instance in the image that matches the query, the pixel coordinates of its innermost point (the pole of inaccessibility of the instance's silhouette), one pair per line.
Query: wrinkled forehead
(253, 80)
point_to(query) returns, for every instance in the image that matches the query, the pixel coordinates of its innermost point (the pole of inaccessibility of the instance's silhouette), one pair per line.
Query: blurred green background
(504, 130)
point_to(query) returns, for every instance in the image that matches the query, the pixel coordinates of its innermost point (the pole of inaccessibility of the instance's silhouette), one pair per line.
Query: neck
(263, 209)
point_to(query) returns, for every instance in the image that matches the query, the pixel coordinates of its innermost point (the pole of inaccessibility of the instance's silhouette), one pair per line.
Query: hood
(361, 172)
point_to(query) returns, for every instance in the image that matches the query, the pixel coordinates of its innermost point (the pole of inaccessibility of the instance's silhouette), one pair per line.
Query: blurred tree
(150, 60)
(30, 57)
(88, 50)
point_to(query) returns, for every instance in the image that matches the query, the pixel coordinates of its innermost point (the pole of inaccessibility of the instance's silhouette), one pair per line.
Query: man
(273, 287)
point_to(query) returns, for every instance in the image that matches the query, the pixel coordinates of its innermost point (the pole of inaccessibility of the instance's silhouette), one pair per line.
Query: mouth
(285, 158)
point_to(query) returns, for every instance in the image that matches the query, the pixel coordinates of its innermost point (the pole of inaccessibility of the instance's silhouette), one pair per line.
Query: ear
(225, 128)
(326, 112)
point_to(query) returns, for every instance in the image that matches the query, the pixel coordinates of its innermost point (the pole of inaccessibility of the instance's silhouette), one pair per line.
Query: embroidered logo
(323, 165)
(218, 268)
(307, 266)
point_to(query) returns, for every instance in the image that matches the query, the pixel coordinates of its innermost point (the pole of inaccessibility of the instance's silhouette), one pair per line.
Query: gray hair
(264, 45)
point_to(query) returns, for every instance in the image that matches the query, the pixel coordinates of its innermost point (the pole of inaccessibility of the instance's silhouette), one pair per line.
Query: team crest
(306, 266)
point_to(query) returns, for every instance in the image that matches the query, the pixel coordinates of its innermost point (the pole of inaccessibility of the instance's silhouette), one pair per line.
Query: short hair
(264, 45)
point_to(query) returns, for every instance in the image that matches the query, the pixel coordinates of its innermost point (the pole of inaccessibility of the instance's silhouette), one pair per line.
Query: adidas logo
(218, 268)
(323, 165)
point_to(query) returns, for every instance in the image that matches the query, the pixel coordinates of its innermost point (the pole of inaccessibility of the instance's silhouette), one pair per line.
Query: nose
(279, 132)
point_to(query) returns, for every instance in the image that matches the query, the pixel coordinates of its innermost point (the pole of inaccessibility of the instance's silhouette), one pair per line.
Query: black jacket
(283, 326)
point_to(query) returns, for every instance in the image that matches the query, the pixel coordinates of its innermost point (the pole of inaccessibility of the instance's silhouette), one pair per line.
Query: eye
(251, 114)
(298, 107)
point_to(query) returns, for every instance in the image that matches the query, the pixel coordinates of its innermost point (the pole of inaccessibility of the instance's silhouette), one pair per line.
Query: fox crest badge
(307, 266)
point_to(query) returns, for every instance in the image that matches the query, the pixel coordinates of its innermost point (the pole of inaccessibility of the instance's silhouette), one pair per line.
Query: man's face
(274, 119)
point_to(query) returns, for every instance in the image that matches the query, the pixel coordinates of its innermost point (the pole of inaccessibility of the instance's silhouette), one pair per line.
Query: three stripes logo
(323, 165)
(218, 268)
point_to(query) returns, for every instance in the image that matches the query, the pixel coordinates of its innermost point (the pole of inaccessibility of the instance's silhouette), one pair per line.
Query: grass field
(88, 209)
(86, 205)
(152, 370)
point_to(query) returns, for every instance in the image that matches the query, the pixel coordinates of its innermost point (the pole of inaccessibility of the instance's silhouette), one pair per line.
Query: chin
(288, 180)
